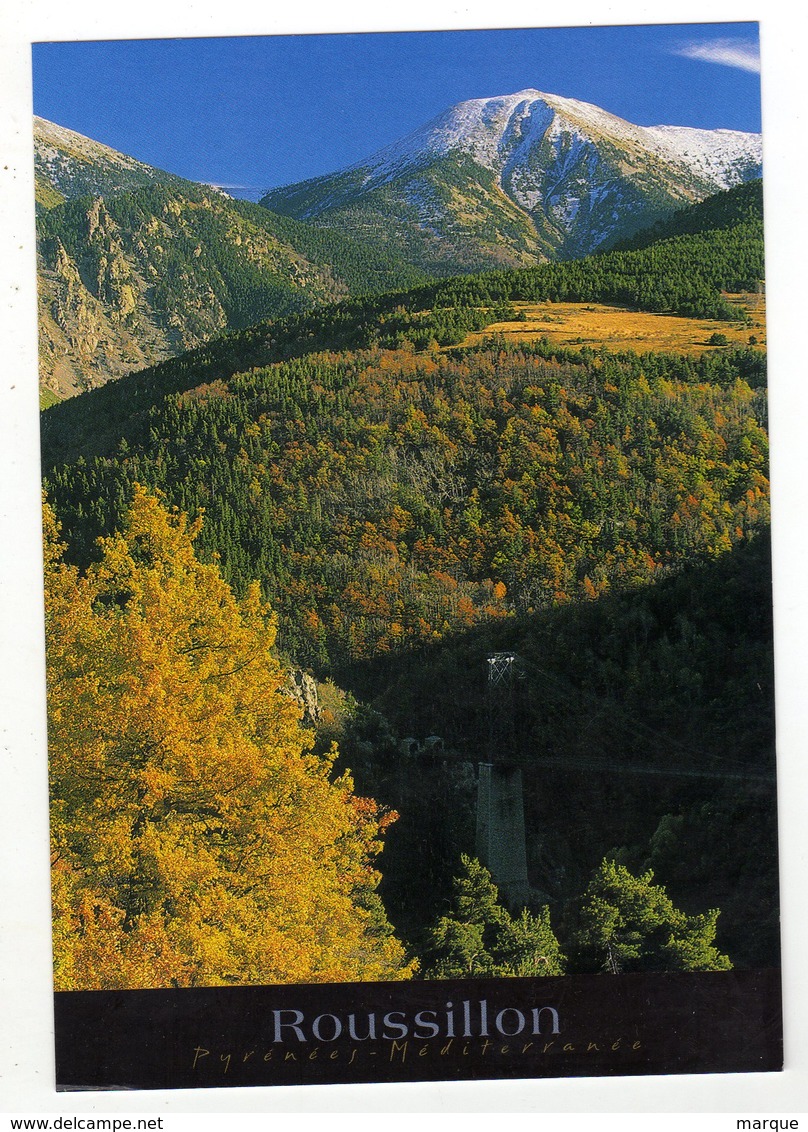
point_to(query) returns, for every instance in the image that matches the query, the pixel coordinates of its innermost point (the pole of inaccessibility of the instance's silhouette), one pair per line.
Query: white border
(26, 1068)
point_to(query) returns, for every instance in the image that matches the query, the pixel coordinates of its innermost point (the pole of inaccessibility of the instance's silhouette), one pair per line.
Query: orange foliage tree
(196, 838)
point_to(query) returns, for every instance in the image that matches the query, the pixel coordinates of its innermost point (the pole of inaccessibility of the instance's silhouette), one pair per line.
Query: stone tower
(500, 805)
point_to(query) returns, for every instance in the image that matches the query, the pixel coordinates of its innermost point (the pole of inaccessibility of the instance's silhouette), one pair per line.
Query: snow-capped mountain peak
(517, 178)
(500, 132)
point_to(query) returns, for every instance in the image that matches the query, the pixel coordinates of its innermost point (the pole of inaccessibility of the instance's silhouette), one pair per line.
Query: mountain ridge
(570, 177)
(68, 164)
(703, 250)
(136, 265)
(458, 127)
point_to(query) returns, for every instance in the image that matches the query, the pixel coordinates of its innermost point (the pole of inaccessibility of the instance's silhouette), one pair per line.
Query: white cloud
(727, 52)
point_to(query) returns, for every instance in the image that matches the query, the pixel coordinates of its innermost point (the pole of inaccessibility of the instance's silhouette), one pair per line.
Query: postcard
(408, 607)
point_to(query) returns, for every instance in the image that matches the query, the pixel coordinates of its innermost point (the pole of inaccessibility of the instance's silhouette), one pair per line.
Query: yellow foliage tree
(196, 838)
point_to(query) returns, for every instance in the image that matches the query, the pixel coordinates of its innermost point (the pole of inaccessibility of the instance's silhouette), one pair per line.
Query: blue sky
(267, 111)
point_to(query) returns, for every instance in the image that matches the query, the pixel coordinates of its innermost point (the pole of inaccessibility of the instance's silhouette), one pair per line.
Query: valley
(130, 277)
(424, 412)
(137, 265)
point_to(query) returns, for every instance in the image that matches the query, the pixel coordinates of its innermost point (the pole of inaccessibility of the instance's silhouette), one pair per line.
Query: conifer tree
(479, 938)
(628, 923)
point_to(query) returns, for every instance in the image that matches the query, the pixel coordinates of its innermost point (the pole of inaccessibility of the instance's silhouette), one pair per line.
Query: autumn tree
(196, 838)
(628, 923)
(479, 938)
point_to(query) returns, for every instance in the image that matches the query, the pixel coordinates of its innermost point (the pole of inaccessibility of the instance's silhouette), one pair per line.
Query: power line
(641, 729)
(503, 669)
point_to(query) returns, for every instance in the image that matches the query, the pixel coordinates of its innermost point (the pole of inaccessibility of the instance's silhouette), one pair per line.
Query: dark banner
(599, 1025)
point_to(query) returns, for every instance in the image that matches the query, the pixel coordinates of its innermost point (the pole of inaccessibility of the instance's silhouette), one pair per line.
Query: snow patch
(722, 157)
(504, 134)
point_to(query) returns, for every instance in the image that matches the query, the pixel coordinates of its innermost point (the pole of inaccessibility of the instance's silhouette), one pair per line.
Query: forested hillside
(740, 205)
(686, 275)
(137, 276)
(643, 723)
(408, 502)
(386, 498)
